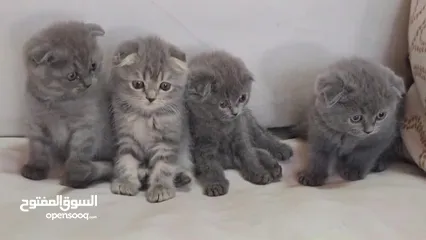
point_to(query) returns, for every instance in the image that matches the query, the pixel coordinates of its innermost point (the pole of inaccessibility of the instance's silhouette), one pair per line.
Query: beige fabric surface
(388, 206)
(414, 129)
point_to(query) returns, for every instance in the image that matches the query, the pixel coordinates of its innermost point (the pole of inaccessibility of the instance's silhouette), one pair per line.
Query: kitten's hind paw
(160, 193)
(181, 179)
(34, 173)
(380, 166)
(282, 152)
(351, 173)
(77, 175)
(215, 189)
(270, 163)
(311, 179)
(259, 177)
(125, 187)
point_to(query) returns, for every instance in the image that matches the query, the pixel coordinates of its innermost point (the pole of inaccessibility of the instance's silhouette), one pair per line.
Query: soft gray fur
(68, 108)
(355, 118)
(225, 135)
(148, 86)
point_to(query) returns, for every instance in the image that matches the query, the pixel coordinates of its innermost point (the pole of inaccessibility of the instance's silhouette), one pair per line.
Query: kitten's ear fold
(328, 93)
(42, 54)
(175, 52)
(199, 86)
(95, 29)
(178, 65)
(124, 50)
(398, 85)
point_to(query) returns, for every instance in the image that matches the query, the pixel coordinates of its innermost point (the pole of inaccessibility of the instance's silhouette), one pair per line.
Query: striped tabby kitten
(68, 109)
(148, 83)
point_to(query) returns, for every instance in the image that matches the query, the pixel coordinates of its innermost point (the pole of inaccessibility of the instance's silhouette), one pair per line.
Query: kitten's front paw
(215, 189)
(34, 173)
(311, 179)
(282, 152)
(77, 175)
(351, 173)
(259, 176)
(181, 179)
(160, 193)
(125, 187)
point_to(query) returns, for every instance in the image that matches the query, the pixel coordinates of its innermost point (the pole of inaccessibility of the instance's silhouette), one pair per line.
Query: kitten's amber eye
(356, 118)
(72, 76)
(223, 104)
(138, 85)
(93, 67)
(243, 98)
(165, 86)
(381, 116)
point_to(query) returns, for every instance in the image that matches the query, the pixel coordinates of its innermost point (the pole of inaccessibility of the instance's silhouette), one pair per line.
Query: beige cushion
(414, 129)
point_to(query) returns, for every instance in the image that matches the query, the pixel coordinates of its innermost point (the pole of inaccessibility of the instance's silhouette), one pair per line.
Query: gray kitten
(225, 135)
(148, 85)
(68, 108)
(355, 118)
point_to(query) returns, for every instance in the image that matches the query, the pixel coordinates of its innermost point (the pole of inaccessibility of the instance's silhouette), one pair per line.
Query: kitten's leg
(127, 173)
(81, 169)
(40, 155)
(319, 161)
(208, 170)
(270, 163)
(358, 164)
(161, 184)
(262, 138)
(248, 162)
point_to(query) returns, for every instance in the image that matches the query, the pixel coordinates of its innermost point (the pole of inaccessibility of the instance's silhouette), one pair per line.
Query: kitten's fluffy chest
(151, 130)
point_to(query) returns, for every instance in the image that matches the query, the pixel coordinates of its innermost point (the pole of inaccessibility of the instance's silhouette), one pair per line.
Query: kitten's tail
(102, 170)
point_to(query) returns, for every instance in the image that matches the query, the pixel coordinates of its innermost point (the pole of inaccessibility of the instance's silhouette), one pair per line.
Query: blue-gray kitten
(148, 85)
(353, 121)
(68, 108)
(224, 133)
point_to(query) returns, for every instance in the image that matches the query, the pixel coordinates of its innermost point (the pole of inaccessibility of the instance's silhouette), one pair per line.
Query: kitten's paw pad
(258, 177)
(77, 175)
(125, 187)
(216, 189)
(181, 179)
(160, 193)
(311, 179)
(283, 152)
(351, 174)
(34, 173)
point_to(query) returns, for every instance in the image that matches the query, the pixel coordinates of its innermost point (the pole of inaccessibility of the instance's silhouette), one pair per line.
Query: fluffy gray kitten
(224, 133)
(355, 118)
(148, 85)
(68, 108)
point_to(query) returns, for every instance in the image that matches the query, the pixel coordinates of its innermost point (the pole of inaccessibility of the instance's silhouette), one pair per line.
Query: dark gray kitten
(68, 108)
(225, 135)
(148, 85)
(355, 118)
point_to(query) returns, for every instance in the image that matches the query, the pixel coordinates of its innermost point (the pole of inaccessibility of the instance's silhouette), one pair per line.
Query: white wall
(284, 42)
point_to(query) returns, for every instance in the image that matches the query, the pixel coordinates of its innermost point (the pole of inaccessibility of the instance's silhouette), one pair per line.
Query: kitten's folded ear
(328, 91)
(398, 85)
(95, 29)
(200, 85)
(124, 50)
(177, 53)
(40, 53)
